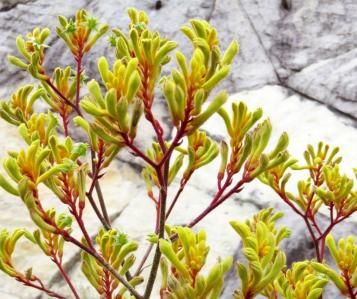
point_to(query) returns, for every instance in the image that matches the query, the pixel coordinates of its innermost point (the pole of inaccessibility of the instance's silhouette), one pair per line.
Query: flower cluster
(109, 115)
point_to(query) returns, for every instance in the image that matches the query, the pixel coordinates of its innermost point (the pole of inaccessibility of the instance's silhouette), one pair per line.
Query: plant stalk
(66, 278)
(42, 288)
(162, 221)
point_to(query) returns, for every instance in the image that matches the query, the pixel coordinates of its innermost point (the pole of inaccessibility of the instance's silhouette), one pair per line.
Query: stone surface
(311, 46)
(293, 55)
(232, 22)
(333, 80)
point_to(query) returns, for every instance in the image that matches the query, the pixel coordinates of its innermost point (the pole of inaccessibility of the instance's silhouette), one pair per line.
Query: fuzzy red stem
(173, 203)
(165, 160)
(78, 59)
(181, 131)
(137, 152)
(349, 286)
(178, 193)
(220, 197)
(66, 277)
(63, 98)
(41, 288)
(163, 174)
(148, 101)
(144, 259)
(65, 124)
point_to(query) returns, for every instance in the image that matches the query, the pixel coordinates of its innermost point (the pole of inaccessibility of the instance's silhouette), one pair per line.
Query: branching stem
(41, 287)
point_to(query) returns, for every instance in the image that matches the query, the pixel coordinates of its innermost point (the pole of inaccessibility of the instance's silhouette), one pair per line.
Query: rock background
(298, 61)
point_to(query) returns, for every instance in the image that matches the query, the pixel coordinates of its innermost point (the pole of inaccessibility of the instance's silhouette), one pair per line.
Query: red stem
(151, 246)
(310, 221)
(314, 240)
(91, 250)
(77, 109)
(181, 131)
(137, 152)
(312, 218)
(96, 210)
(148, 101)
(165, 158)
(348, 284)
(173, 203)
(107, 284)
(64, 99)
(178, 193)
(104, 219)
(41, 287)
(65, 123)
(78, 59)
(220, 197)
(95, 179)
(335, 222)
(146, 256)
(284, 197)
(83, 229)
(158, 129)
(65, 276)
(73, 209)
(306, 217)
(163, 174)
(96, 169)
(174, 143)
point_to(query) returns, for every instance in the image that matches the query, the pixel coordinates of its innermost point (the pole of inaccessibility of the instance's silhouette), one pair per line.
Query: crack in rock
(8, 5)
(252, 25)
(334, 109)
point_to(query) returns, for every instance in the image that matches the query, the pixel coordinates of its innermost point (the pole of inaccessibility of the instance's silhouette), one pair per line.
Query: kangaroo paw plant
(345, 257)
(301, 281)
(181, 265)
(261, 249)
(108, 113)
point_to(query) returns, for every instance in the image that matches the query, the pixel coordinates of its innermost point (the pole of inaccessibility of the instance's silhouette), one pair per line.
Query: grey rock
(311, 46)
(331, 81)
(309, 32)
(6, 5)
(232, 22)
